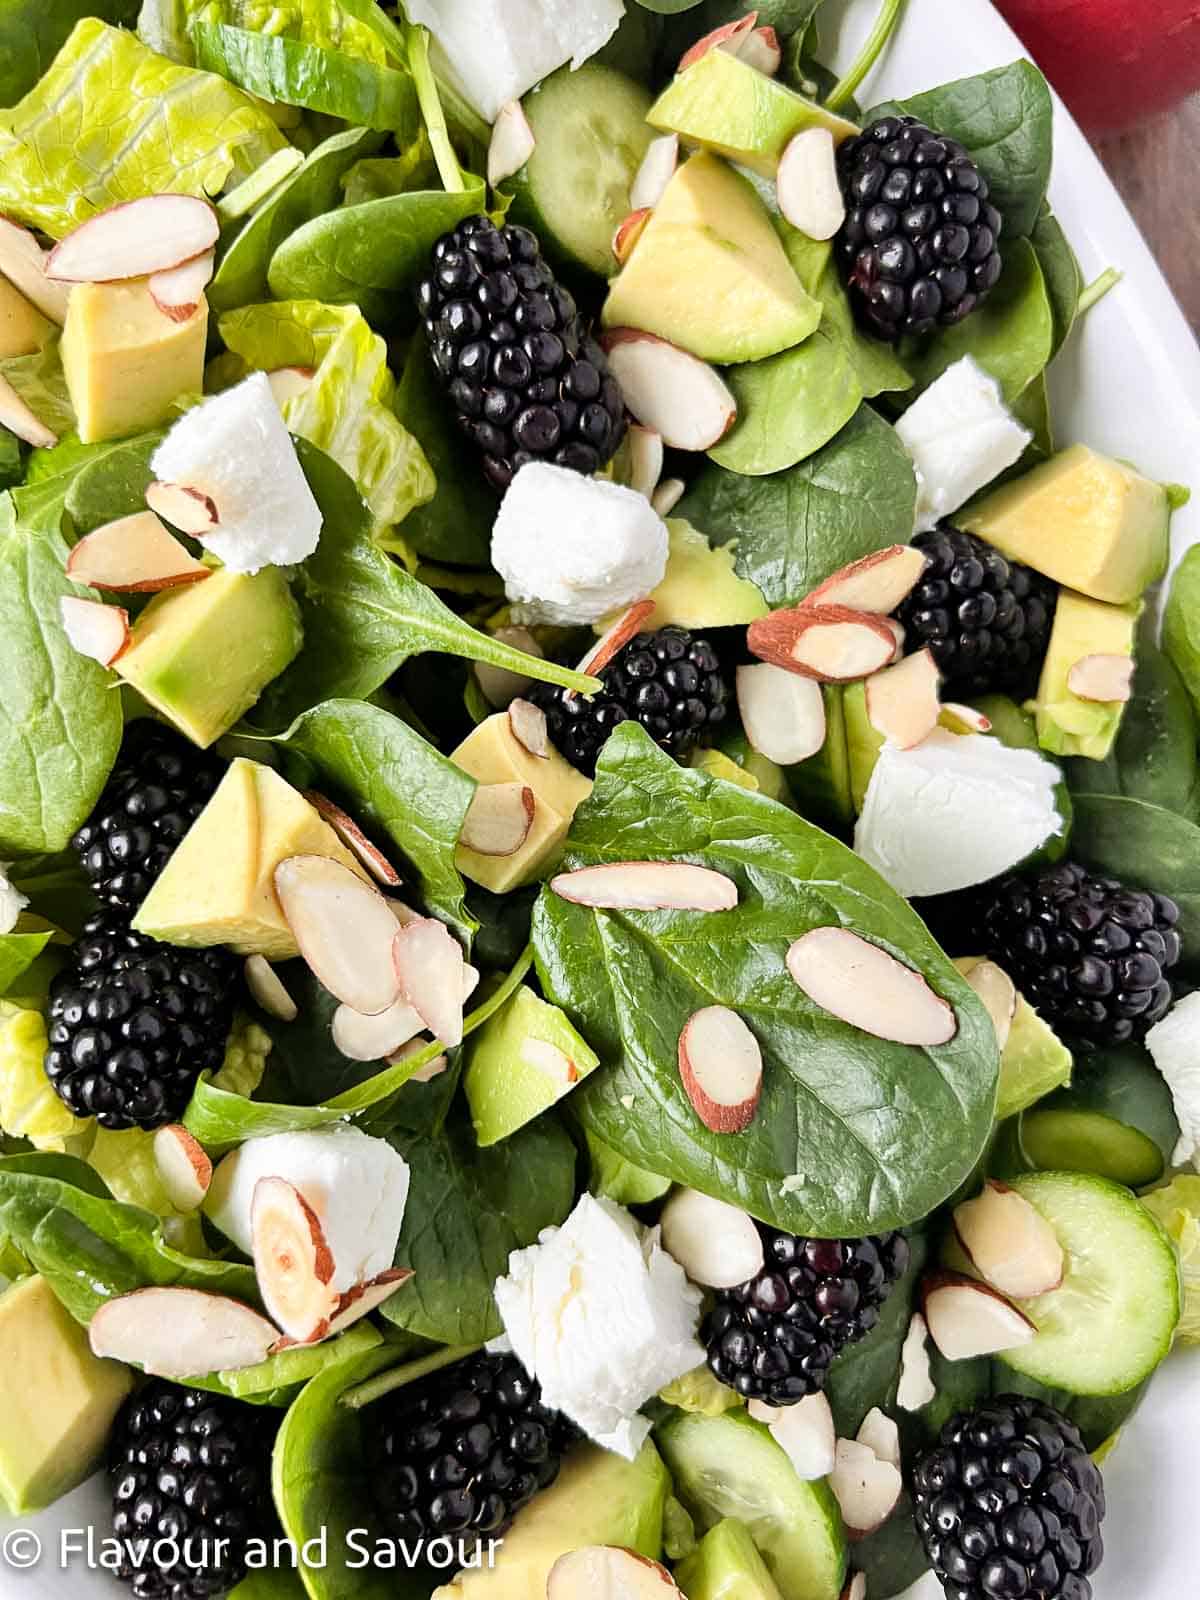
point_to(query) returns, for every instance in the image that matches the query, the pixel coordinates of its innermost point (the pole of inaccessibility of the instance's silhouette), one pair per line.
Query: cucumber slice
(729, 1466)
(591, 133)
(1117, 1119)
(1111, 1320)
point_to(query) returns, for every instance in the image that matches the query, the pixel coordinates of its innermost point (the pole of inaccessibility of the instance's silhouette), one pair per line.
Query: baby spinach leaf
(853, 1133)
(56, 888)
(279, 1379)
(1005, 118)
(18, 952)
(33, 31)
(456, 525)
(113, 484)
(867, 1372)
(669, 8)
(1061, 271)
(893, 1557)
(796, 528)
(1181, 624)
(789, 405)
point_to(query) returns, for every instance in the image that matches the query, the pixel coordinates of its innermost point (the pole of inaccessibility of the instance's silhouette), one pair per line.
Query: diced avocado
(1034, 1060)
(611, 1175)
(1066, 724)
(523, 1060)
(769, 779)
(700, 589)
(1088, 522)
(726, 1566)
(23, 328)
(126, 362)
(718, 765)
(219, 885)
(863, 742)
(739, 112)
(202, 654)
(709, 274)
(597, 1498)
(820, 786)
(57, 1400)
(492, 754)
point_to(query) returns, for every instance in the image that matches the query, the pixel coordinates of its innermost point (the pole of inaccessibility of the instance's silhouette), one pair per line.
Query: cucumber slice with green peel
(591, 133)
(1111, 1320)
(1117, 1119)
(729, 1466)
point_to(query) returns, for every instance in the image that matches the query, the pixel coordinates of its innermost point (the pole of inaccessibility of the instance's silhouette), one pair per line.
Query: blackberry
(192, 1469)
(1091, 954)
(525, 379)
(669, 681)
(157, 789)
(774, 1336)
(133, 1023)
(918, 246)
(986, 619)
(456, 1455)
(1008, 1504)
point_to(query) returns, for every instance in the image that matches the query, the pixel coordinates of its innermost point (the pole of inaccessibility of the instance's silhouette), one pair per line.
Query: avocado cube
(1034, 1060)
(700, 588)
(726, 1565)
(1068, 725)
(23, 328)
(520, 1063)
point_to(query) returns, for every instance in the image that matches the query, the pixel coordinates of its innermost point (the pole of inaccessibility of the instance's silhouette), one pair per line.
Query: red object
(1114, 62)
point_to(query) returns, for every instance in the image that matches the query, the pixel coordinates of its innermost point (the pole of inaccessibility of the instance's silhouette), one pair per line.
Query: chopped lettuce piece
(125, 1160)
(327, 24)
(699, 1391)
(29, 1107)
(40, 381)
(245, 1058)
(1177, 1207)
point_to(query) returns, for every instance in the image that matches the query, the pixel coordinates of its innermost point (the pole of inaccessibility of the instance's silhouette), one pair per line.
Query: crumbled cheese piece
(12, 902)
(1174, 1043)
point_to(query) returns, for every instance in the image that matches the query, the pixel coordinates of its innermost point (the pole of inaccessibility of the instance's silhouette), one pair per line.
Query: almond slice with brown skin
(999, 995)
(1107, 679)
(807, 186)
(94, 629)
(720, 1063)
(830, 643)
(355, 840)
(180, 1333)
(716, 1244)
(292, 1260)
(430, 967)
(863, 985)
(875, 583)
(609, 1572)
(498, 819)
(667, 496)
(958, 718)
(645, 459)
(135, 240)
(967, 1319)
(183, 1166)
(528, 724)
(289, 383)
(628, 231)
(647, 886)
(856, 1587)
(135, 554)
(655, 172)
(805, 1433)
(730, 34)
(866, 1489)
(552, 1062)
(344, 928)
(783, 714)
(190, 510)
(16, 416)
(902, 701)
(760, 49)
(512, 143)
(359, 1302)
(23, 263)
(363, 1038)
(1009, 1242)
(268, 991)
(670, 390)
(610, 643)
(178, 292)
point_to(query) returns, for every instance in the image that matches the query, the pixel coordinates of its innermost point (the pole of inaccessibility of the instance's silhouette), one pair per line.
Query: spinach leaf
(669, 8)
(456, 525)
(91, 1248)
(1148, 847)
(467, 1209)
(853, 1134)
(18, 952)
(1181, 624)
(789, 405)
(1061, 271)
(279, 1379)
(113, 483)
(796, 528)
(56, 888)
(395, 782)
(1097, 1417)
(32, 32)
(866, 1374)
(1005, 118)
(364, 615)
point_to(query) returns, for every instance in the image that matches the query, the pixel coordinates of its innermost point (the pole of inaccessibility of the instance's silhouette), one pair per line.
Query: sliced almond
(180, 1333)
(183, 1165)
(960, 719)
(23, 263)
(178, 292)
(916, 1387)
(655, 172)
(968, 1319)
(608, 1572)
(628, 231)
(783, 714)
(1010, 1243)
(730, 34)
(360, 1301)
(135, 240)
(647, 886)
(760, 49)
(807, 186)
(190, 510)
(499, 818)
(856, 1587)
(267, 989)
(512, 143)
(430, 969)
(499, 686)
(94, 629)
(645, 459)
(863, 985)
(831, 643)
(292, 1260)
(16, 416)
(720, 1063)
(875, 583)
(670, 390)
(1107, 679)
(902, 701)
(289, 383)
(355, 840)
(879, 1433)
(134, 554)
(627, 626)
(898, 635)
(668, 495)
(552, 1062)
(528, 724)
(377, 1038)
(716, 1244)
(805, 1432)
(344, 929)
(866, 1488)
(999, 995)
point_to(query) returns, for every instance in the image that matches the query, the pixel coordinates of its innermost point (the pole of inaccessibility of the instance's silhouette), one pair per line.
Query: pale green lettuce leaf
(245, 1058)
(113, 121)
(347, 409)
(40, 381)
(29, 1107)
(1177, 1207)
(325, 23)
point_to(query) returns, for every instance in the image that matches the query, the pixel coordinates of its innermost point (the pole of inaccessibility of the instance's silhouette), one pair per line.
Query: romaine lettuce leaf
(40, 381)
(1177, 1207)
(325, 23)
(113, 121)
(29, 1107)
(245, 1058)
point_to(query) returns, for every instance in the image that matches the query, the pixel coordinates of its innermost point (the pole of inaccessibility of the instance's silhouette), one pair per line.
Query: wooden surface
(1157, 170)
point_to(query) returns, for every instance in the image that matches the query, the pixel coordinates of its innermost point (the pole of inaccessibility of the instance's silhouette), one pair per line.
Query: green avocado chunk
(520, 1063)
(1034, 1060)
(1068, 723)
(726, 1566)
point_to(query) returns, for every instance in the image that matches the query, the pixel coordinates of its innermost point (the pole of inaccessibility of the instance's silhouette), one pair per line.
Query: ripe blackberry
(192, 1469)
(669, 681)
(918, 246)
(457, 1454)
(133, 1023)
(1008, 1504)
(524, 377)
(1091, 954)
(157, 789)
(986, 619)
(773, 1337)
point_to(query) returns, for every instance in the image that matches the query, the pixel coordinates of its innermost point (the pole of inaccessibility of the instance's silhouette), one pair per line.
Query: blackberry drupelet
(189, 1466)
(1089, 953)
(918, 246)
(457, 1454)
(773, 1338)
(157, 789)
(986, 619)
(1008, 1505)
(670, 681)
(133, 1023)
(525, 379)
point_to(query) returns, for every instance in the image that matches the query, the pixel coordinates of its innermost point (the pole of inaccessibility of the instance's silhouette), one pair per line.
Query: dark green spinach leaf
(456, 525)
(866, 1374)
(1061, 271)
(18, 952)
(789, 405)
(31, 32)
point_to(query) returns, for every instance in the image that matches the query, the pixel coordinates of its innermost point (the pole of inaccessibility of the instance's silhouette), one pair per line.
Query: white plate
(1129, 384)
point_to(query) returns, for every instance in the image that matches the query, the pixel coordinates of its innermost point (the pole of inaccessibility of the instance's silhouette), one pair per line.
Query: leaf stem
(885, 25)
(431, 109)
(1095, 292)
(363, 1394)
(489, 1007)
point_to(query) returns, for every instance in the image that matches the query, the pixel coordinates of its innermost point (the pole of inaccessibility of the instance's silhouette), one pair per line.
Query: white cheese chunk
(1174, 1044)
(12, 903)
